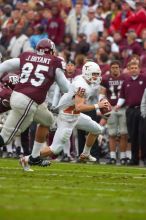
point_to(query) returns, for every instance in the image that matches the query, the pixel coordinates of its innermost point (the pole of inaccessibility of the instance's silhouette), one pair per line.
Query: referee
(131, 94)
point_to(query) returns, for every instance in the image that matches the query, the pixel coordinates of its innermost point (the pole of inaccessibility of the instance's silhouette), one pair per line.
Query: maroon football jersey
(37, 74)
(5, 94)
(113, 86)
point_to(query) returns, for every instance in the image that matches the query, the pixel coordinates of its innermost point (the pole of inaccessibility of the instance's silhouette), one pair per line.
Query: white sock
(9, 148)
(27, 158)
(113, 154)
(66, 148)
(86, 150)
(122, 155)
(128, 154)
(36, 149)
(18, 143)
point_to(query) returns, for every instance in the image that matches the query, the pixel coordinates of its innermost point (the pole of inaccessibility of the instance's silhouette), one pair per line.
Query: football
(106, 111)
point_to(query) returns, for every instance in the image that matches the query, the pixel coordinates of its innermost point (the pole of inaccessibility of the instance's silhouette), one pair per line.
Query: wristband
(96, 106)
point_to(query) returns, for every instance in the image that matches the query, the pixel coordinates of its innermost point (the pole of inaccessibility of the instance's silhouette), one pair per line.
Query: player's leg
(86, 123)
(19, 118)
(45, 119)
(25, 141)
(61, 137)
(40, 139)
(112, 124)
(123, 137)
(14, 125)
(18, 145)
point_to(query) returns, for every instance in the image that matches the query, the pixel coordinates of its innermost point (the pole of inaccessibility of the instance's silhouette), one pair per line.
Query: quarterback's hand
(81, 92)
(103, 103)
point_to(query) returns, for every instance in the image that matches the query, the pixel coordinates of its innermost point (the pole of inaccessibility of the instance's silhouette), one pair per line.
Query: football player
(38, 71)
(71, 106)
(111, 85)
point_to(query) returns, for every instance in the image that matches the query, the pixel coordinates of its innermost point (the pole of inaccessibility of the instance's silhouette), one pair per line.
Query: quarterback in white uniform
(71, 106)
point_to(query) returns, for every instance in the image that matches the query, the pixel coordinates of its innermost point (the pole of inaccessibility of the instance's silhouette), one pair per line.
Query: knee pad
(99, 130)
(66, 135)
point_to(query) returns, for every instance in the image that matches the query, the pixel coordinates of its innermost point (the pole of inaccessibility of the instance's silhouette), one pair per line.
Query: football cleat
(123, 161)
(10, 155)
(86, 158)
(112, 161)
(66, 158)
(38, 162)
(24, 164)
(128, 161)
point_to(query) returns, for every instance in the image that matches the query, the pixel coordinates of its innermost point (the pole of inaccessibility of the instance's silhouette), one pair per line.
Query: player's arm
(9, 65)
(61, 80)
(81, 106)
(56, 96)
(119, 104)
(121, 99)
(102, 93)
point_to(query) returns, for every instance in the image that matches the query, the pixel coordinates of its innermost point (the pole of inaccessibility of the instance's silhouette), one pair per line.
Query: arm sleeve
(9, 65)
(56, 96)
(120, 102)
(61, 80)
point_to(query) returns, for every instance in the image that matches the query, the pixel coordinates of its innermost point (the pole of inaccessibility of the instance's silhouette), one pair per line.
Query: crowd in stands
(99, 30)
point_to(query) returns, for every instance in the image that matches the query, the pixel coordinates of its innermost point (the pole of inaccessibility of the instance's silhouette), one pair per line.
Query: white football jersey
(79, 82)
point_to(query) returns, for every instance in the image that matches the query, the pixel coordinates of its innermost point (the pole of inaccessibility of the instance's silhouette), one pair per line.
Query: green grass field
(72, 192)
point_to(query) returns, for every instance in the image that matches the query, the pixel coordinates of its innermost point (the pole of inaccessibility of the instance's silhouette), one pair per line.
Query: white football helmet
(88, 69)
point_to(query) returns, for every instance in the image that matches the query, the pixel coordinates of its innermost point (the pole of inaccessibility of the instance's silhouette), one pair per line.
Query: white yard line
(76, 210)
(76, 171)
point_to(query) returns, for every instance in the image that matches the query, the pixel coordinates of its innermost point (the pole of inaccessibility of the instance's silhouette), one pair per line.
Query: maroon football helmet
(46, 46)
(10, 80)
